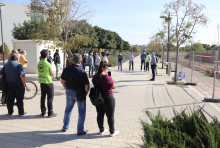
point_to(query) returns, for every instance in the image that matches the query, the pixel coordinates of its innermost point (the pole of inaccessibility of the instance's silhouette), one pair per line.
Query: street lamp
(2, 4)
(164, 17)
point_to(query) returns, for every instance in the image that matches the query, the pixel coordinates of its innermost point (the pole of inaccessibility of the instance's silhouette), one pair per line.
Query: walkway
(134, 95)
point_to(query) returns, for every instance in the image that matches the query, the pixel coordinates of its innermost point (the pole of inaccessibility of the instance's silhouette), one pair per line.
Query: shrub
(185, 130)
(210, 73)
(6, 49)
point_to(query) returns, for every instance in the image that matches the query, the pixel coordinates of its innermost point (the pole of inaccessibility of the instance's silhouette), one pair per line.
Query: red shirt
(105, 84)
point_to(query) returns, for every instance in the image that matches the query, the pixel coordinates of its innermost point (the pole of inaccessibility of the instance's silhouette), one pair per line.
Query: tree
(126, 46)
(6, 49)
(198, 47)
(214, 46)
(206, 46)
(134, 48)
(191, 16)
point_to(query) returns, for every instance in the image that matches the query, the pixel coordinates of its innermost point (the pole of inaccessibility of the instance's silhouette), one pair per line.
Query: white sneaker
(105, 130)
(114, 134)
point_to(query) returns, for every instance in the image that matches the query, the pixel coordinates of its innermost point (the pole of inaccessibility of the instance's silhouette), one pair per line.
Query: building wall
(12, 13)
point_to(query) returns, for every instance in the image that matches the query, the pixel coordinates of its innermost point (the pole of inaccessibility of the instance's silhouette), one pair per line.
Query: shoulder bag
(80, 94)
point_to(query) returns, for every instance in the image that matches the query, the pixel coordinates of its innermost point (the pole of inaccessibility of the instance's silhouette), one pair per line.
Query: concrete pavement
(134, 95)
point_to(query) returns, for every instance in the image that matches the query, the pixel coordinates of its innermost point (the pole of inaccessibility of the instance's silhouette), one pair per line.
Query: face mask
(91, 53)
(25, 54)
(119, 54)
(50, 54)
(144, 52)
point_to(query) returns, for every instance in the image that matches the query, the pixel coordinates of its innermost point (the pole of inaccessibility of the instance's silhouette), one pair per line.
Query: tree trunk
(163, 57)
(78, 49)
(64, 59)
(176, 66)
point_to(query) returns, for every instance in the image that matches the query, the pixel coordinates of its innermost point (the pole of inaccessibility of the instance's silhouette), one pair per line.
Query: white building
(12, 13)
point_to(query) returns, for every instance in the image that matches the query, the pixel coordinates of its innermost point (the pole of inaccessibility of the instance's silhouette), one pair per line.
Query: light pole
(168, 45)
(3, 52)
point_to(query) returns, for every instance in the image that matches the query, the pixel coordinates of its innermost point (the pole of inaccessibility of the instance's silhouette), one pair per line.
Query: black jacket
(120, 58)
(56, 58)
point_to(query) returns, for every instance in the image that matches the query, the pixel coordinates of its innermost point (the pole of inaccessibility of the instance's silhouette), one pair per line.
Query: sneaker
(105, 130)
(83, 133)
(64, 130)
(152, 80)
(42, 114)
(9, 115)
(25, 113)
(52, 115)
(114, 134)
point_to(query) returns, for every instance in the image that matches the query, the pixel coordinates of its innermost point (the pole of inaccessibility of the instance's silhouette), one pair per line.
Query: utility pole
(218, 33)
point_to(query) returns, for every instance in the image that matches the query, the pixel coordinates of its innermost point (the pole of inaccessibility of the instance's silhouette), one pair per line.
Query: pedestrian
(19, 53)
(153, 64)
(120, 61)
(107, 53)
(75, 75)
(49, 58)
(143, 58)
(147, 62)
(91, 64)
(56, 58)
(105, 84)
(105, 58)
(97, 61)
(94, 58)
(12, 52)
(15, 79)
(46, 84)
(23, 60)
(84, 58)
(156, 66)
(131, 62)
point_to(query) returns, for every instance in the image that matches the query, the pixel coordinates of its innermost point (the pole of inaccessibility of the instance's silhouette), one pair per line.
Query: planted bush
(183, 131)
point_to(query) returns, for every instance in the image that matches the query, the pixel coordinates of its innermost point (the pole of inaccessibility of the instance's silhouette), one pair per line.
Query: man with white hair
(153, 64)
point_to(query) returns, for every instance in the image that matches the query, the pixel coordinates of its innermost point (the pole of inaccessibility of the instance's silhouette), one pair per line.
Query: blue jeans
(84, 66)
(70, 102)
(91, 68)
(120, 65)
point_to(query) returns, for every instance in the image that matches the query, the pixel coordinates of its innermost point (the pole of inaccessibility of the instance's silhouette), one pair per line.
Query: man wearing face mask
(153, 64)
(56, 58)
(143, 58)
(131, 62)
(91, 64)
(49, 58)
(120, 58)
(23, 60)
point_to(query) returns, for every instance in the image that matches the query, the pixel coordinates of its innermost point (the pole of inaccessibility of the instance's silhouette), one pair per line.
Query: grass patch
(177, 83)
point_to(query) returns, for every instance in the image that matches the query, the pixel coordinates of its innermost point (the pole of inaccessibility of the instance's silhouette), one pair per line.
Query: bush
(6, 49)
(183, 131)
(210, 73)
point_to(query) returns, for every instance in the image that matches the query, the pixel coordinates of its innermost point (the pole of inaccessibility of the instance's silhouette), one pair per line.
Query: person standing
(84, 58)
(49, 58)
(105, 84)
(23, 60)
(120, 58)
(97, 61)
(75, 75)
(105, 58)
(143, 58)
(147, 62)
(56, 58)
(14, 51)
(91, 64)
(131, 62)
(19, 54)
(46, 84)
(15, 79)
(153, 64)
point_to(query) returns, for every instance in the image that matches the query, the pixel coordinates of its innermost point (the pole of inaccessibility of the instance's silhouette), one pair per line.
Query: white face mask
(119, 54)
(144, 52)
(91, 53)
(25, 54)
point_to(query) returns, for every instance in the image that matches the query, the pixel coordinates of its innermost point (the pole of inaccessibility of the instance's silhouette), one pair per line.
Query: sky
(137, 20)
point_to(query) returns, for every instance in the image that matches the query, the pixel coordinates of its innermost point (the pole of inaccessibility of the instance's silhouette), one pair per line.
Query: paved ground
(134, 95)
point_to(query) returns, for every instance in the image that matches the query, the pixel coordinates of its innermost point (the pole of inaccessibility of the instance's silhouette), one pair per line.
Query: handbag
(96, 97)
(80, 94)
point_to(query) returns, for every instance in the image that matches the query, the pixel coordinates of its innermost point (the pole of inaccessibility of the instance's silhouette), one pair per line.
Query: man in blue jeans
(120, 58)
(74, 74)
(91, 64)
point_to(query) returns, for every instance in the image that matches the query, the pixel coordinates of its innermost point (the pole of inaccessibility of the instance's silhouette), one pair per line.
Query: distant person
(143, 58)
(120, 61)
(14, 51)
(75, 75)
(107, 53)
(97, 61)
(84, 58)
(23, 60)
(105, 58)
(19, 53)
(153, 64)
(15, 79)
(49, 58)
(105, 84)
(147, 62)
(91, 64)
(131, 62)
(46, 84)
(56, 58)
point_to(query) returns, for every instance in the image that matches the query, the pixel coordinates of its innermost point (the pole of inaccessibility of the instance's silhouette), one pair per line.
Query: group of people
(148, 61)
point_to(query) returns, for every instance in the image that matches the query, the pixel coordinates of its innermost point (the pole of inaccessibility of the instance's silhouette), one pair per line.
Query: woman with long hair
(105, 84)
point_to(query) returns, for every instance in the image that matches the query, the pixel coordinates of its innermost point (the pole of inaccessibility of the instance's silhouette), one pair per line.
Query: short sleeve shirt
(79, 77)
(12, 71)
(44, 68)
(105, 85)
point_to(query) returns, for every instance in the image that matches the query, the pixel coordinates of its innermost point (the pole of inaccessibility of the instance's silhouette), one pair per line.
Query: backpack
(95, 95)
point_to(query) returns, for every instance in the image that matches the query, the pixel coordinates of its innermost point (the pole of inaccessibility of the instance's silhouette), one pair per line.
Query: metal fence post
(216, 59)
(190, 58)
(182, 61)
(192, 65)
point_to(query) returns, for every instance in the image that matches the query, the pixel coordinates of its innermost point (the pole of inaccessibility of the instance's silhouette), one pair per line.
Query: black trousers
(47, 89)
(142, 62)
(15, 90)
(131, 64)
(153, 67)
(107, 108)
(147, 66)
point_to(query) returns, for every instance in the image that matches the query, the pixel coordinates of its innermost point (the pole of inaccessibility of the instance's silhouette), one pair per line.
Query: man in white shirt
(131, 62)
(105, 58)
(97, 61)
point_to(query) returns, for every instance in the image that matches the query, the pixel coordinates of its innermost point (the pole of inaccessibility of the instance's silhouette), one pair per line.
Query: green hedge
(183, 131)
(6, 49)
